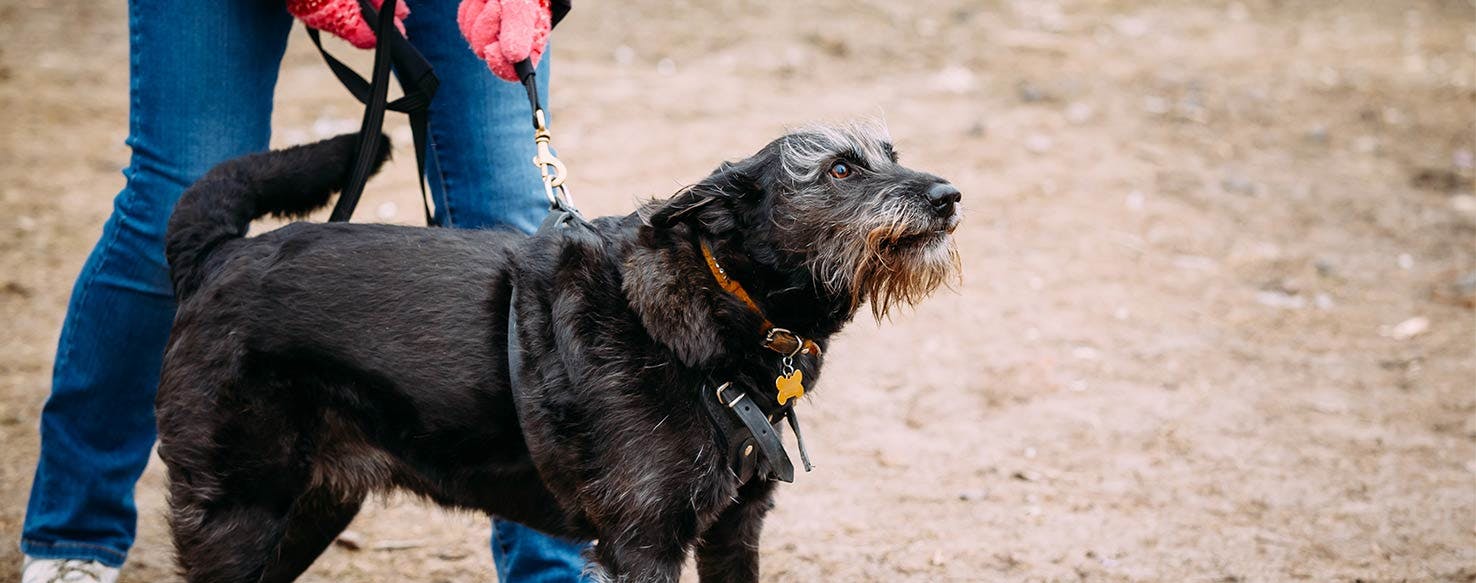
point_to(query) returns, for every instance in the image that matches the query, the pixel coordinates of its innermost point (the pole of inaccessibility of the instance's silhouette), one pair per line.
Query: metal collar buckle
(725, 402)
(771, 341)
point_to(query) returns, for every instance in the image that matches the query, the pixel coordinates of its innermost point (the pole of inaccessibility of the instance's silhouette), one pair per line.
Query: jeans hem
(73, 550)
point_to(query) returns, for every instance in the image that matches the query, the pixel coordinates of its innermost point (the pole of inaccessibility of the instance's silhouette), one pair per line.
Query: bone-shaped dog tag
(790, 386)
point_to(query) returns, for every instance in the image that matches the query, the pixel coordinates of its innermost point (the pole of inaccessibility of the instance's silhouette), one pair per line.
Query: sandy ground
(1216, 323)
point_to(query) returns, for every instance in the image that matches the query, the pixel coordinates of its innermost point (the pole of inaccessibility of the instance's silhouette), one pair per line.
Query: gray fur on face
(872, 234)
(805, 151)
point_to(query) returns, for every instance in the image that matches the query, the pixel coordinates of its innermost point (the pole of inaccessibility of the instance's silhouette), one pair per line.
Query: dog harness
(788, 385)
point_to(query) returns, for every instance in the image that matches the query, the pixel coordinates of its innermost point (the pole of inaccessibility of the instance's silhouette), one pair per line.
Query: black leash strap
(418, 81)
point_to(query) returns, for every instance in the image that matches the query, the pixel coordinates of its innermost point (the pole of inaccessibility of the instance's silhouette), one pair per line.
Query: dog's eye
(840, 170)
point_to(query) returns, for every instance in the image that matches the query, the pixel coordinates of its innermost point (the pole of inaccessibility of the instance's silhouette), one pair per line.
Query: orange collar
(778, 339)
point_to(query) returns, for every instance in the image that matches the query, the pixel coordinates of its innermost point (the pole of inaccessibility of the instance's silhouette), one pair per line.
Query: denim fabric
(201, 81)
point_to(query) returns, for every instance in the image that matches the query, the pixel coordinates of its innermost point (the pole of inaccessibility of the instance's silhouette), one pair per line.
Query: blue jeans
(202, 77)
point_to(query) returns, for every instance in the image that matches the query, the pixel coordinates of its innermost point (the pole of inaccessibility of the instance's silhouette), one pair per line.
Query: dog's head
(834, 201)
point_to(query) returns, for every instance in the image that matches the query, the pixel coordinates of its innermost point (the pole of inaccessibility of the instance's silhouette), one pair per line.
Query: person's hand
(343, 19)
(503, 32)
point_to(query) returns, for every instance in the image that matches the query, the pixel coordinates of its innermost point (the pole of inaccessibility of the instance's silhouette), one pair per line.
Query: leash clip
(550, 168)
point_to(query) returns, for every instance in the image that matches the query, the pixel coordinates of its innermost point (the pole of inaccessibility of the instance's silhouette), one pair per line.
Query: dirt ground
(1217, 316)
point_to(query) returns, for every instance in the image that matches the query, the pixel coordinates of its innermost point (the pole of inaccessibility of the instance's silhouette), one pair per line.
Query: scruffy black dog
(314, 364)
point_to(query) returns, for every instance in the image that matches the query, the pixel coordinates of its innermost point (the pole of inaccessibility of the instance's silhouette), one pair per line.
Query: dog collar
(789, 384)
(777, 339)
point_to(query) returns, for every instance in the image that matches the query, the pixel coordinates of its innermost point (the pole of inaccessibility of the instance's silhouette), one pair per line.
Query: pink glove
(342, 18)
(503, 32)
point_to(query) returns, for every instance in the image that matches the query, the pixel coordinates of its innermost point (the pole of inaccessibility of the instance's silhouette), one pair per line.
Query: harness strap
(760, 430)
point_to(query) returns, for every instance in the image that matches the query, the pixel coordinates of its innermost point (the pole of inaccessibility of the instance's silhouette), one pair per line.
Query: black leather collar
(750, 438)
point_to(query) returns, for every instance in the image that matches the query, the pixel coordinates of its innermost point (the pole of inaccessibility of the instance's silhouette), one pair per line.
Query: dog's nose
(943, 196)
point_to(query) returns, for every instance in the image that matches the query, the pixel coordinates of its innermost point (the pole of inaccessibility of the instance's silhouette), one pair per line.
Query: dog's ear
(681, 206)
(731, 184)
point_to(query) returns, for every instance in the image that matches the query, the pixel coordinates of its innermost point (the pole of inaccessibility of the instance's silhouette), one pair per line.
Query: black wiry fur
(314, 364)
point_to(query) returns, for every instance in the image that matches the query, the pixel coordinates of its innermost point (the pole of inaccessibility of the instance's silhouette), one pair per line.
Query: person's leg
(479, 163)
(524, 555)
(481, 174)
(202, 76)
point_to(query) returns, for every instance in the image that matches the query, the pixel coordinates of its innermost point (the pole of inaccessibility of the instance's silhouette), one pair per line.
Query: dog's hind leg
(229, 541)
(317, 518)
(234, 480)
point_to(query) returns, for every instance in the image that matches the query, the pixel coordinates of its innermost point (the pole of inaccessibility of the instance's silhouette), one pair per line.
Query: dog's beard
(900, 267)
(888, 261)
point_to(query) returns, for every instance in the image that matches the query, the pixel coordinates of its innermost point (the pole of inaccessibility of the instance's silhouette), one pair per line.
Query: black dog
(314, 364)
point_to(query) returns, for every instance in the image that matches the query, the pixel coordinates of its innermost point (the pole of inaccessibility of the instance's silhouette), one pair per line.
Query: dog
(314, 364)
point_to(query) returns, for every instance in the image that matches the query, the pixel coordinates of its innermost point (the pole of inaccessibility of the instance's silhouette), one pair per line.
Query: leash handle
(418, 80)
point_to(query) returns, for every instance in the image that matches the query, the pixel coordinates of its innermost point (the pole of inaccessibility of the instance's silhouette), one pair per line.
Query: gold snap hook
(550, 168)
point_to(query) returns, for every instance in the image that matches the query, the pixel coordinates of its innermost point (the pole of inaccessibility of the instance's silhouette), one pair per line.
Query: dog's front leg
(728, 551)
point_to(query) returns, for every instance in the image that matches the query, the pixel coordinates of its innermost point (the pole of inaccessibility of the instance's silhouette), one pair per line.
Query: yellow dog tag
(790, 386)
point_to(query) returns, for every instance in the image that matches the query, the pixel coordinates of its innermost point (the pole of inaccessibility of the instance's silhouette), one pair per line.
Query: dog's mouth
(938, 233)
(917, 240)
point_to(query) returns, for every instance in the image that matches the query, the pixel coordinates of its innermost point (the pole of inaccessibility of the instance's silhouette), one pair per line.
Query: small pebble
(1325, 268)
(1407, 329)
(1134, 200)
(1318, 134)
(1237, 184)
(1039, 143)
(624, 55)
(1366, 145)
(1463, 159)
(1280, 300)
(1029, 93)
(973, 495)
(1463, 203)
(331, 126)
(1079, 113)
(350, 540)
(954, 79)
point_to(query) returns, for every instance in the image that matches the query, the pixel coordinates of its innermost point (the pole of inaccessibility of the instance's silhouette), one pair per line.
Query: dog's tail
(221, 205)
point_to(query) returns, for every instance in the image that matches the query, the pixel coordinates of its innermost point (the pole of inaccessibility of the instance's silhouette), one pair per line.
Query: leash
(561, 210)
(417, 80)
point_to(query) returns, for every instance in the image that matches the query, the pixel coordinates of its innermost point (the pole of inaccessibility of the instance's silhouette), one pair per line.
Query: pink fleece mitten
(342, 18)
(503, 32)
